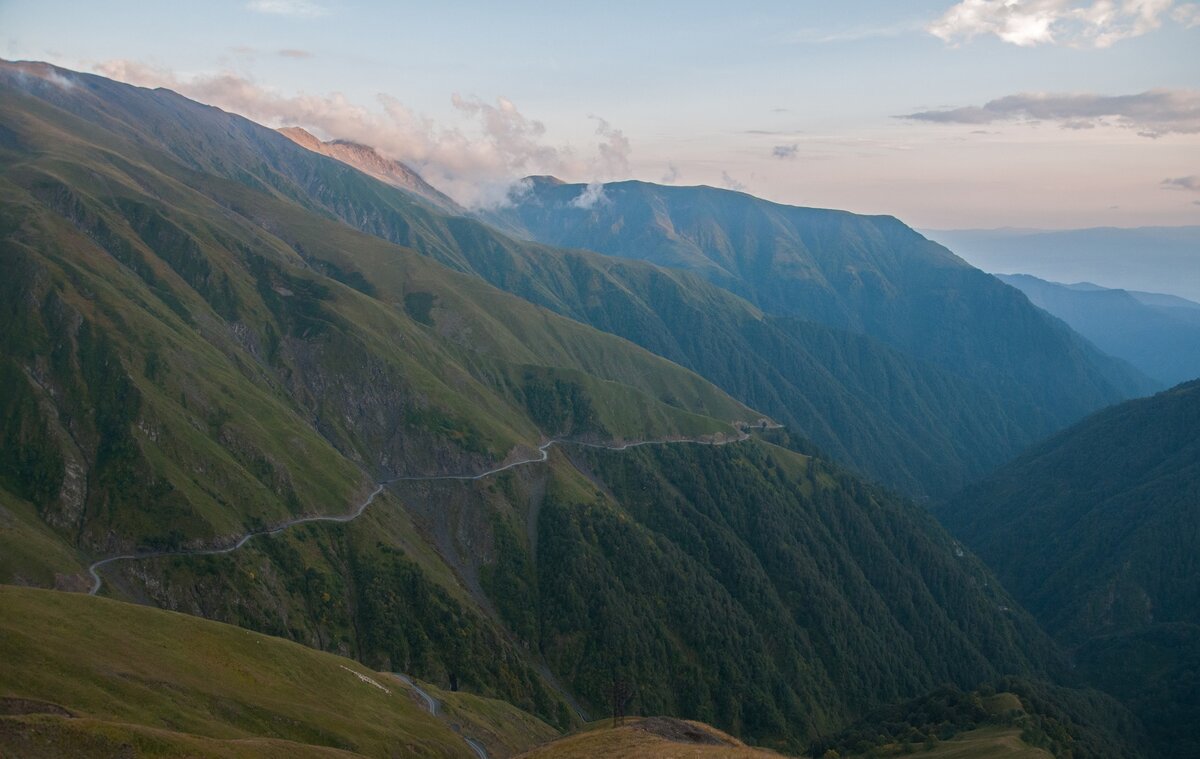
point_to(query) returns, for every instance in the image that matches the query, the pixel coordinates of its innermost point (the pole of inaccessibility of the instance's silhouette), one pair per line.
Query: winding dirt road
(543, 455)
(434, 707)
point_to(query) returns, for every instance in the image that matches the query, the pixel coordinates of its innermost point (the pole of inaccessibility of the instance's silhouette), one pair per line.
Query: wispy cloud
(785, 152)
(291, 52)
(294, 8)
(671, 176)
(1152, 113)
(731, 183)
(613, 150)
(591, 196)
(1190, 183)
(476, 161)
(1094, 23)
(28, 74)
(1187, 15)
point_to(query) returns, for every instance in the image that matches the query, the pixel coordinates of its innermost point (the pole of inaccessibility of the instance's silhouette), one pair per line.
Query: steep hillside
(92, 677)
(871, 275)
(729, 584)
(1095, 531)
(154, 332)
(1157, 334)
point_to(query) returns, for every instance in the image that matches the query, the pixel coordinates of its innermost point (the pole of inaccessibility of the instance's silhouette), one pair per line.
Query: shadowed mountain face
(1158, 334)
(197, 343)
(868, 275)
(1096, 531)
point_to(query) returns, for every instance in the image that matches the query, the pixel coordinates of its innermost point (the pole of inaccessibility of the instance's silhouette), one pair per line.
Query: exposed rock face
(368, 160)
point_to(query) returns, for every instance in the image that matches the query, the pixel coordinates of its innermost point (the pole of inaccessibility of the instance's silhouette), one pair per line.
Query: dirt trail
(543, 455)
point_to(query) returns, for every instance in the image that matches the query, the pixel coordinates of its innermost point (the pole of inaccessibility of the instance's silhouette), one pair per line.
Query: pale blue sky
(797, 102)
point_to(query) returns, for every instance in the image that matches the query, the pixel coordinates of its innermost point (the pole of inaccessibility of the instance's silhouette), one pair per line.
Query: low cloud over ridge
(477, 163)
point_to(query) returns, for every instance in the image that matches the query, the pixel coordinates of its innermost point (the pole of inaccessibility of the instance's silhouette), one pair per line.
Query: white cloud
(1152, 113)
(671, 176)
(295, 8)
(1187, 14)
(476, 162)
(592, 195)
(1094, 23)
(614, 151)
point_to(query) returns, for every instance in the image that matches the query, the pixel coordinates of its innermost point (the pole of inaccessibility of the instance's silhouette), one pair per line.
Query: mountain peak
(368, 160)
(301, 137)
(545, 179)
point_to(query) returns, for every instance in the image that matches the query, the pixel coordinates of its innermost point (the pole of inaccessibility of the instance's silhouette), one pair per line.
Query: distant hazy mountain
(1154, 259)
(1159, 334)
(1096, 531)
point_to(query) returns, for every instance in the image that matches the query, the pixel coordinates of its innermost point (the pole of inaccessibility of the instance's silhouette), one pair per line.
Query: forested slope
(1095, 532)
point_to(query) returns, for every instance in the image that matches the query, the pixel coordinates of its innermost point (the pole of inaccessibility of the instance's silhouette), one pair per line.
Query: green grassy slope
(1095, 531)
(172, 685)
(503, 729)
(654, 738)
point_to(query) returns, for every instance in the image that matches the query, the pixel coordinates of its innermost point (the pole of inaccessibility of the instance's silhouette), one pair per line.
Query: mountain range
(275, 382)
(1156, 333)
(917, 317)
(1149, 259)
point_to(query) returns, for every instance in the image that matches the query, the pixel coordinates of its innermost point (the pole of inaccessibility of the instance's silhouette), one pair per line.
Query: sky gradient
(1042, 113)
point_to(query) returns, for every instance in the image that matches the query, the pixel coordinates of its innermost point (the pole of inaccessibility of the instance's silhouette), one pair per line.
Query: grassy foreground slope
(172, 684)
(650, 737)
